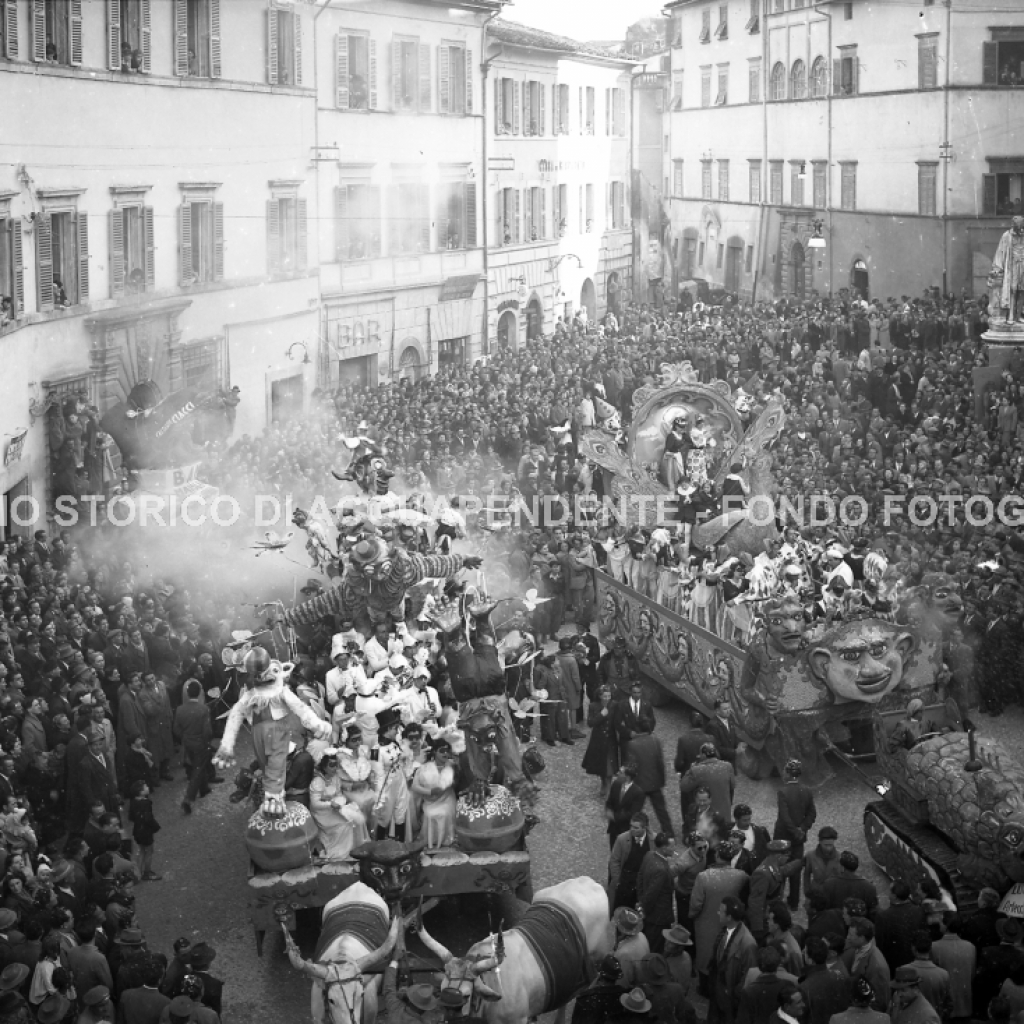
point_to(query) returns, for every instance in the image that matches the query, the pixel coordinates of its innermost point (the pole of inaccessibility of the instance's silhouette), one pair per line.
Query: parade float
(791, 692)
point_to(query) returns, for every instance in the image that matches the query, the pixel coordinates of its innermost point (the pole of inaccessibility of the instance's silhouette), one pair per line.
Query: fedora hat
(906, 977)
(1010, 929)
(657, 969)
(202, 956)
(422, 997)
(368, 550)
(678, 935)
(627, 921)
(130, 937)
(96, 996)
(13, 977)
(53, 1009)
(312, 587)
(635, 1001)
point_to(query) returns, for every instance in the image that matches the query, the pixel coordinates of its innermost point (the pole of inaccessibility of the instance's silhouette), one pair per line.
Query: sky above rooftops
(584, 20)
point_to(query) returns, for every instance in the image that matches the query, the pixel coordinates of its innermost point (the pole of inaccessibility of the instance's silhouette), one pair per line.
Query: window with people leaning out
(62, 259)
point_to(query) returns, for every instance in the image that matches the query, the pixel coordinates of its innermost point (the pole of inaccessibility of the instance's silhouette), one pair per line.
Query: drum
(281, 844)
(496, 826)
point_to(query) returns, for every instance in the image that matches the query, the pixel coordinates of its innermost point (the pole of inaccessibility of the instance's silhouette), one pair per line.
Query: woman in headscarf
(341, 823)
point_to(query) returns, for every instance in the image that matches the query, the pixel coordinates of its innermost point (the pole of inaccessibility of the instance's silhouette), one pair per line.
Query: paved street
(204, 892)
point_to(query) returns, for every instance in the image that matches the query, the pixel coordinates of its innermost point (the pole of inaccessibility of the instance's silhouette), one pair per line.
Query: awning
(459, 287)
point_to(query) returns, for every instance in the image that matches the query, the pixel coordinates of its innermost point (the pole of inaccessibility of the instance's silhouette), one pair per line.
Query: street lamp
(817, 241)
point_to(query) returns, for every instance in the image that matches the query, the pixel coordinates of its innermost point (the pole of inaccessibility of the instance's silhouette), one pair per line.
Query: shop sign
(15, 447)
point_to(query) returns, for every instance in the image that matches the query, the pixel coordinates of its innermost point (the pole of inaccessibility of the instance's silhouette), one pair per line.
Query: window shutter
(11, 31)
(556, 210)
(371, 197)
(82, 222)
(116, 254)
(543, 103)
(837, 78)
(297, 34)
(18, 267)
(272, 57)
(442, 228)
(423, 210)
(988, 200)
(556, 123)
(114, 35)
(273, 237)
(301, 235)
(443, 80)
(44, 262)
(185, 248)
(218, 241)
(499, 217)
(607, 111)
(341, 71)
(396, 75)
(146, 19)
(515, 108)
(181, 38)
(854, 76)
(147, 229)
(470, 227)
(424, 78)
(342, 240)
(38, 10)
(543, 233)
(214, 38)
(75, 31)
(498, 121)
(515, 216)
(470, 71)
(990, 64)
(372, 47)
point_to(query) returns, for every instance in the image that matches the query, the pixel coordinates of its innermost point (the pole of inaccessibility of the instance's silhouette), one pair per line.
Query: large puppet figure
(375, 583)
(277, 717)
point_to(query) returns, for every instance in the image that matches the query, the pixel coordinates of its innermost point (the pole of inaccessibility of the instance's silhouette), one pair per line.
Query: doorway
(798, 267)
(410, 367)
(534, 319)
(859, 279)
(614, 294)
(733, 267)
(8, 528)
(508, 331)
(286, 399)
(588, 299)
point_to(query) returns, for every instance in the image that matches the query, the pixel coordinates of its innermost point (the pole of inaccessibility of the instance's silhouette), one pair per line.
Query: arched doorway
(859, 279)
(534, 319)
(410, 366)
(508, 331)
(614, 289)
(588, 299)
(798, 268)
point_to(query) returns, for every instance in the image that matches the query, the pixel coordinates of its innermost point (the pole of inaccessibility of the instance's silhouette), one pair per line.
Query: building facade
(154, 203)
(400, 134)
(886, 128)
(558, 181)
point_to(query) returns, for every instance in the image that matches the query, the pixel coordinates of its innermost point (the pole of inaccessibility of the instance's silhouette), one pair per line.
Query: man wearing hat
(633, 1005)
(680, 964)
(601, 1000)
(145, 1003)
(631, 946)
(201, 960)
(766, 885)
(177, 968)
(796, 815)
(999, 962)
(571, 683)
(53, 1009)
(98, 1006)
(714, 774)
(667, 996)
(909, 1006)
(13, 978)
(910, 729)
(821, 863)
(413, 1005)
(896, 925)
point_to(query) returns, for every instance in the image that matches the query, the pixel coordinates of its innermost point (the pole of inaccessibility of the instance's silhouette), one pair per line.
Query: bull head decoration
(462, 973)
(389, 867)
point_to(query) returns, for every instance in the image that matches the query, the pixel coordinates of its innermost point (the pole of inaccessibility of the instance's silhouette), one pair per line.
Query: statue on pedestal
(1008, 275)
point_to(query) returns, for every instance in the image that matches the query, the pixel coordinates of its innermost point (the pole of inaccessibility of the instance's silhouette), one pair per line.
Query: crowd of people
(104, 675)
(92, 666)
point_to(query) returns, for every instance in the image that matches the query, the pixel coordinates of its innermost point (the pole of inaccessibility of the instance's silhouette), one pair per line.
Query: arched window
(819, 78)
(778, 83)
(798, 81)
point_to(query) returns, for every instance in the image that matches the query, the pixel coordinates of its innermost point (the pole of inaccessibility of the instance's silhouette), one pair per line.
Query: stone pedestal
(1003, 338)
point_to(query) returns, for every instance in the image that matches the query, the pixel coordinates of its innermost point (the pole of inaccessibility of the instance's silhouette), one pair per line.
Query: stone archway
(508, 331)
(410, 364)
(860, 280)
(588, 299)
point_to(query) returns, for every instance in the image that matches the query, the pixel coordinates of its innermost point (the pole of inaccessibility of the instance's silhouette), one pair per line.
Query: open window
(12, 270)
(284, 46)
(355, 60)
(410, 75)
(845, 72)
(197, 42)
(506, 106)
(200, 236)
(456, 216)
(357, 220)
(287, 230)
(129, 33)
(62, 254)
(56, 31)
(132, 265)
(1003, 57)
(1003, 188)
(454, 79)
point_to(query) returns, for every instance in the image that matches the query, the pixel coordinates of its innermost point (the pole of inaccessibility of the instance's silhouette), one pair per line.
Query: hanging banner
(15, 447)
